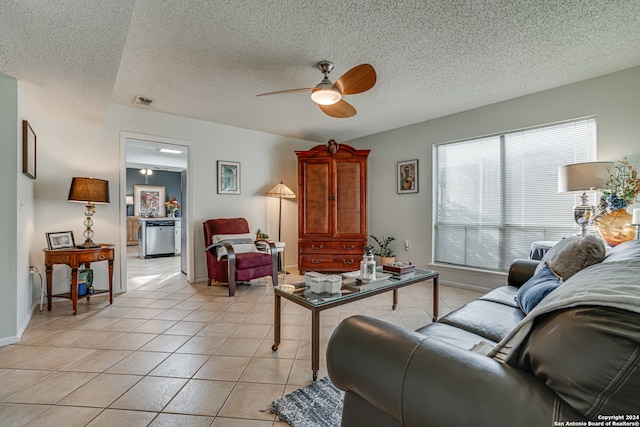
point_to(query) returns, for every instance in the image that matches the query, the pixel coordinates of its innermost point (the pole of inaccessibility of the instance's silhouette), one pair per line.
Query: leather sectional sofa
(574, 358)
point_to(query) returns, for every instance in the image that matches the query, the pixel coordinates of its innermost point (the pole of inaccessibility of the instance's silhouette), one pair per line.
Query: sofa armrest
(422, 381)
(520, 271)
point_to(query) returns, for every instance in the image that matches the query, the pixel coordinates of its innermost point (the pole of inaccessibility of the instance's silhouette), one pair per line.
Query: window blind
(496, 195)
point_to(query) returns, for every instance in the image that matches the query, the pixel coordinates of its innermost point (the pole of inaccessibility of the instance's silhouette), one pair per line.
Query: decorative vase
(615, 227)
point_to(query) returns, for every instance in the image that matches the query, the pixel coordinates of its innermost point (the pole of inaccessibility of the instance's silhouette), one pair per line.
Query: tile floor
(172, 353)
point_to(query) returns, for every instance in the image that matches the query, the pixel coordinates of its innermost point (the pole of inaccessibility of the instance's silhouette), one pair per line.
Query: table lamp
(91, 191)
(583, 178)
(636, 221)
(281, 191)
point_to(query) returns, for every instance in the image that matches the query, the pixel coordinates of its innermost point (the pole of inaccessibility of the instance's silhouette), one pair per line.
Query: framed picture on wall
(148, 200)
(28, 150)
(60, 240)
(408, 176)
(228, 177)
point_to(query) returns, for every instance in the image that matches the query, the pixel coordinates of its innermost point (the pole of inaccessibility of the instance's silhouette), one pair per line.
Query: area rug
(317, 405)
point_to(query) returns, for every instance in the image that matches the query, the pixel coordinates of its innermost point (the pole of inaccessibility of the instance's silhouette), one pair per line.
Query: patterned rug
(317, 405)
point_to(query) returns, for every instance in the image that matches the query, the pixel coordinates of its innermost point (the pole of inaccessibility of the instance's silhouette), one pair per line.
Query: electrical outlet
(406, 246)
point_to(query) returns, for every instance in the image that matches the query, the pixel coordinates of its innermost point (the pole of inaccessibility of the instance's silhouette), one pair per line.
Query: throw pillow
(241, 243)
(573, 254)
(536, 288)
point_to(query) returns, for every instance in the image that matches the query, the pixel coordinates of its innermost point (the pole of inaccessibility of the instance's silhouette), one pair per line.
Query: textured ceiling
(208, 59)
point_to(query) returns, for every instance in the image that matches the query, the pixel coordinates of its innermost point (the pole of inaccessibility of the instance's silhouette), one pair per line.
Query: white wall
(74, 149)
(614, 99)
(16, 193)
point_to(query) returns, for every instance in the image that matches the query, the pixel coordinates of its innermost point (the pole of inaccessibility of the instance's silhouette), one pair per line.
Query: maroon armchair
(232, 255)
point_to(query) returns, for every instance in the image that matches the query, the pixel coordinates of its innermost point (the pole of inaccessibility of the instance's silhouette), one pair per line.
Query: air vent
(142, 100)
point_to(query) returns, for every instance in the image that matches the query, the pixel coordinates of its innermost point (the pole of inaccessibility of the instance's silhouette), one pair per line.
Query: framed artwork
(148, 201)
(60, 240)
(28, 150)
(408, 176)
(228, 177)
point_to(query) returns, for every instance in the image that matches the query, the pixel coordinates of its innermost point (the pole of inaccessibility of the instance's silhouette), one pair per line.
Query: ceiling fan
(328, 95)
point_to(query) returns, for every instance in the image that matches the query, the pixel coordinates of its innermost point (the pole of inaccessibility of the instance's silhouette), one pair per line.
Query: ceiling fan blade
(359, 79)
(340, 110)
(280, 92)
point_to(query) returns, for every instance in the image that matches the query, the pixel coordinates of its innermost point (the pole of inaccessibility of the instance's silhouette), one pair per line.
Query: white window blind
(496, 195)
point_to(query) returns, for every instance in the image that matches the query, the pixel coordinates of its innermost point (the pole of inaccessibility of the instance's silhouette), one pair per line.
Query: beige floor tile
(124, 325)
(185, 328)
(218, 329)
(173, 314)
(232, 317)
(97, 361)
(128, 341)
(287, 349)
(267, 370)
(57, 359)
(200, 397)
(144, 313)
(150, 394)
(223, 368)
(165, 343)
(236, 422)
(180, 365)
(95, 339)
(249, 400)
(138, 363)
(101, 391)
(251, 331)
(200, 315)
(16, 414)
(201, 345)
(52, 388)
(62, 416)
(162, 303)
(17, 380)
(301, 373)
(120, 417)
(17, 356)
(238, 347)
(155, 326)
(175, 420)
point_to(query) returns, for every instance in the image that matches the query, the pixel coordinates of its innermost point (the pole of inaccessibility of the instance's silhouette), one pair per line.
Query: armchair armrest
(520, 271)
(418, 380)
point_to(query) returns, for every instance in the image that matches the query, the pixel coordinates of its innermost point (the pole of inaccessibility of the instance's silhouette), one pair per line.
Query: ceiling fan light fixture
(326, 94)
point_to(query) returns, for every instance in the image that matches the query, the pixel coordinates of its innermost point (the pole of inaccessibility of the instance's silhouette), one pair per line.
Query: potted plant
(384, 250)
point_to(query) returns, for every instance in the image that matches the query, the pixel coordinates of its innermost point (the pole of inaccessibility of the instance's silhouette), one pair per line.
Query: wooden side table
(74, 258)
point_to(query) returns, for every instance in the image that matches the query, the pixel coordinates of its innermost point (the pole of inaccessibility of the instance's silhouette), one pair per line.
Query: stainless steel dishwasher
(158, 238)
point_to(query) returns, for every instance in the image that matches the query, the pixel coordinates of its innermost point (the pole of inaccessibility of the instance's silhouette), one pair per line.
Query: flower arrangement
(172, 205)
(620, 190)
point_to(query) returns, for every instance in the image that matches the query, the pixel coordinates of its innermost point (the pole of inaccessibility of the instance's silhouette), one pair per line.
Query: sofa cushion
(486, 319)
(453, 335)
(573, 254)
(503, 295)
(626, 251)
(590, 356)
(536, 288)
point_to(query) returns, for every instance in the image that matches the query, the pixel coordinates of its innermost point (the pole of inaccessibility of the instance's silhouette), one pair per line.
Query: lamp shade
(581, 177)
(89, 190)
(281, 191)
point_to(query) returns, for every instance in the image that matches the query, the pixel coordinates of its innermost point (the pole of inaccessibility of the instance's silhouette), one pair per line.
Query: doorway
(159, 166)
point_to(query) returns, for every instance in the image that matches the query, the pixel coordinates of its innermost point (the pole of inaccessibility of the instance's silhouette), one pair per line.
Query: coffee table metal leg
(315, 342)
(276, 322)
(395, 299)
(435, 298)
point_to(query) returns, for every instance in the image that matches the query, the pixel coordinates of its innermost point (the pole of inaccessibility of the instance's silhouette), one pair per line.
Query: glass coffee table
(352, 290)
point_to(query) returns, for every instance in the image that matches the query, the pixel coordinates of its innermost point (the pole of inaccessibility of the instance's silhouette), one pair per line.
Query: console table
(74, 258)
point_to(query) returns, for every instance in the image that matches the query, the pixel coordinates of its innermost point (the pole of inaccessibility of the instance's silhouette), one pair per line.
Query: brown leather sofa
(574, 364)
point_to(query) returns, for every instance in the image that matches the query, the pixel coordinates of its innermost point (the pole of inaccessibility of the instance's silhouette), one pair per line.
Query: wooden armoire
(332, 208)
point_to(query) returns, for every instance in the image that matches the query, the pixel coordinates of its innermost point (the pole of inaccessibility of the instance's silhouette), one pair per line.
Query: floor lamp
(281, 191)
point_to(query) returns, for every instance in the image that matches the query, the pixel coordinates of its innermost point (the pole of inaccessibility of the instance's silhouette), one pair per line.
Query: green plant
(261, 235)
(383, 250)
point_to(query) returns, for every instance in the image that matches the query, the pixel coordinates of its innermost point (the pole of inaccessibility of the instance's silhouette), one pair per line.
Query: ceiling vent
(142, 100)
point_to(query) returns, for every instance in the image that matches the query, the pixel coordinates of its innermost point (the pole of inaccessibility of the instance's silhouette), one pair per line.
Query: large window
(496, 195)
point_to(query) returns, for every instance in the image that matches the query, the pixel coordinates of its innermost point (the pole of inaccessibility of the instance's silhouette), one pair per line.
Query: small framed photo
(408, 176)
(60, 240)
(148, 200)
(28, 150)
(228, 177)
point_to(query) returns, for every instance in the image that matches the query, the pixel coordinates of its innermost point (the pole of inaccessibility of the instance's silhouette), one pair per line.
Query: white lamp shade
(281, 191)
(581, 177)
